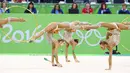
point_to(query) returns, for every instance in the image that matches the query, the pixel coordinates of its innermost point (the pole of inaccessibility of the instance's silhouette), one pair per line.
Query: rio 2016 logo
(26, 35)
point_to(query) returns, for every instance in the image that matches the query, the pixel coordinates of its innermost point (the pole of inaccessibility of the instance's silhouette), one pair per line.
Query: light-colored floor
(37, 64)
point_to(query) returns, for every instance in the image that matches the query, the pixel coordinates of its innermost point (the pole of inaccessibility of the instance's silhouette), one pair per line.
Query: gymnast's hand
(119, 29)
(21, 20)
(73, 30)
(56, 31)
(82, 27)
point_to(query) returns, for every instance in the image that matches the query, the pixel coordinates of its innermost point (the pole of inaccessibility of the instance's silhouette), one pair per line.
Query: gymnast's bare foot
(67, 60)
(77, 61)
(54, 65)
(108, 69)
(59, 65)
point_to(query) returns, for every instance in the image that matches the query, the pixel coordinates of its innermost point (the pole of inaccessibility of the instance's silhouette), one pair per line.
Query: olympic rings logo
(87, 35)
(83, 37)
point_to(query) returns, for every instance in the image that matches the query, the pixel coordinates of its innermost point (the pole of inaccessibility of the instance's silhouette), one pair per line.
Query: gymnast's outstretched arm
(11, 19)
(101, 24)
(108, 25)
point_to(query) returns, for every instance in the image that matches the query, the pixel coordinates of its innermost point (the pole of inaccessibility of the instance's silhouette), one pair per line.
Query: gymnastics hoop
(122, 44)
